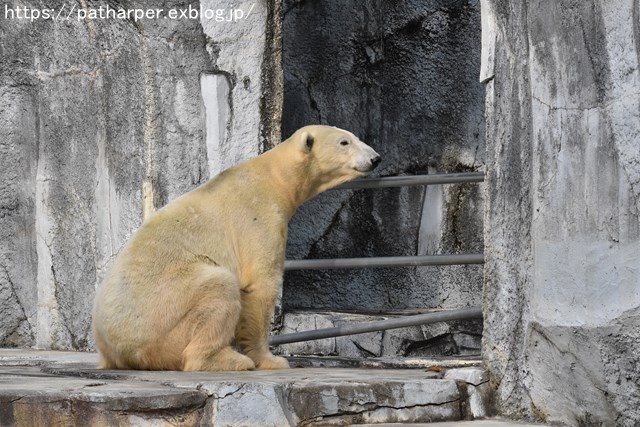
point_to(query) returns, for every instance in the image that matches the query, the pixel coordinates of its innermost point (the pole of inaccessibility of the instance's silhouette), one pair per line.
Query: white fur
(204, 271)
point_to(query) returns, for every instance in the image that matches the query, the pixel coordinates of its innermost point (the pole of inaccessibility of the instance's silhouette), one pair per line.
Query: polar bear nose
(375, 161)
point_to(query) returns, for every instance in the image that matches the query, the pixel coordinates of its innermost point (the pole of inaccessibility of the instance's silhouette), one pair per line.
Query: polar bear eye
(344, 142)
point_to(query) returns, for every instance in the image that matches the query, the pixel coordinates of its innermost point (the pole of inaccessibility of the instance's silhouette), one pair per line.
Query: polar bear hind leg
(212, 322)
(200, 340)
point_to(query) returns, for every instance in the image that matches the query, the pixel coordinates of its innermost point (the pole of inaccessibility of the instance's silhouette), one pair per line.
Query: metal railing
(390, 261)
(396, 261)
(409, 180)
(379, 325)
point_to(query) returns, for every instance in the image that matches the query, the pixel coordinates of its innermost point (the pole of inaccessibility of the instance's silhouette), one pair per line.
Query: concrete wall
(101, 122)
(562, 231)
(402, 76)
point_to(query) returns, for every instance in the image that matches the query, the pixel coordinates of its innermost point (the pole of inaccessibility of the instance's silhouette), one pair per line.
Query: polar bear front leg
(252, 332)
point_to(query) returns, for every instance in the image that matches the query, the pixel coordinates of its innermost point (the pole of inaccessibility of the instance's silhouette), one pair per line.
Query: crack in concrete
(374, 407)
(93, 385)
(218, 397)
(472, 384)
(367, 353)
(599, 105)
(557, 108)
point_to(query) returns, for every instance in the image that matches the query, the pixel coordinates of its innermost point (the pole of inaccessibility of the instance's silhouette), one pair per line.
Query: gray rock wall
(402, 76)
(101, 122)
(562, 230)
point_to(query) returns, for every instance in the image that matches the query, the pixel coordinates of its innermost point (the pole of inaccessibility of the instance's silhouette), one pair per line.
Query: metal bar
(403, 181)
(380, 325)
(392, 261)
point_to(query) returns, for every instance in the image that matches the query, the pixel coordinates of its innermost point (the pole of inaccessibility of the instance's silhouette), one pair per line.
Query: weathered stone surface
(38, 386)
(471, 376)
(101, 122)
(562, 227)
(598, 366)
(17, 209)
(432, 366)
(402, 76)
(47, 399)
(333, 403)
(478, 423)
(249, 404)
(361, 345)
(298, 322)
(248, 59)
(460, 338)
(475, 383)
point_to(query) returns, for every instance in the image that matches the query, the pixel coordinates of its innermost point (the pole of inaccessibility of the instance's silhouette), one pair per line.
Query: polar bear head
(334, 155)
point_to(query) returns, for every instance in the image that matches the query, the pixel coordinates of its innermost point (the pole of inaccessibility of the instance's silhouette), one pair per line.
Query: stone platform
(39, 388)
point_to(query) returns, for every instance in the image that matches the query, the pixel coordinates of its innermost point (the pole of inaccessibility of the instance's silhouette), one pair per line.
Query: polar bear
(202, 273)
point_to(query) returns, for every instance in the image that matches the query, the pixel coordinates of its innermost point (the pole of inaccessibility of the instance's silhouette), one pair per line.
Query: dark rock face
(403, 77)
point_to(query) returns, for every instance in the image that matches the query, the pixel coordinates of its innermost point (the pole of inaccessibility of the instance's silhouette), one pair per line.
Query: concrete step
(65, 388)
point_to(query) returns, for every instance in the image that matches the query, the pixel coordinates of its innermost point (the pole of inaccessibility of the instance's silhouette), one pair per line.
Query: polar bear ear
(306, 141)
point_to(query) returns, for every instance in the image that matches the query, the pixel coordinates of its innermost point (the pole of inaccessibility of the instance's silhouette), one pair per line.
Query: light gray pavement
(39, 388)
(476, 423)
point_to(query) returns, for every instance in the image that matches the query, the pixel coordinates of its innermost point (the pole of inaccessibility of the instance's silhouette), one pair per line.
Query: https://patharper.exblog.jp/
(73, 12)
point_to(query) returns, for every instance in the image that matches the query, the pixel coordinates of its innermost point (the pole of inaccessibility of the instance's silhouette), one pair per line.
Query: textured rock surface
(101, 122)
(562, 230)
(66, 388)
(438, 339)
(403, 76)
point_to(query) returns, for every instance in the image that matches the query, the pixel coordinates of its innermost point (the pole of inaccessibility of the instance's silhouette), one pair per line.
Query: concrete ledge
(65, 388)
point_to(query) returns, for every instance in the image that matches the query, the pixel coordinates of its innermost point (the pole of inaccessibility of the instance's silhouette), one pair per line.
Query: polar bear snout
(375, 162)
(371, 165)
(368, 160)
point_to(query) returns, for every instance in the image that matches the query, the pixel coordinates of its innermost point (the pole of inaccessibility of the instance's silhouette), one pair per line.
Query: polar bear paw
(270, 361)
(226, 359)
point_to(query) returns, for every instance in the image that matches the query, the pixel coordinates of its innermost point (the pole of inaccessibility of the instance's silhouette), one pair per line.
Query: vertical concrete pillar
(562, 223)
